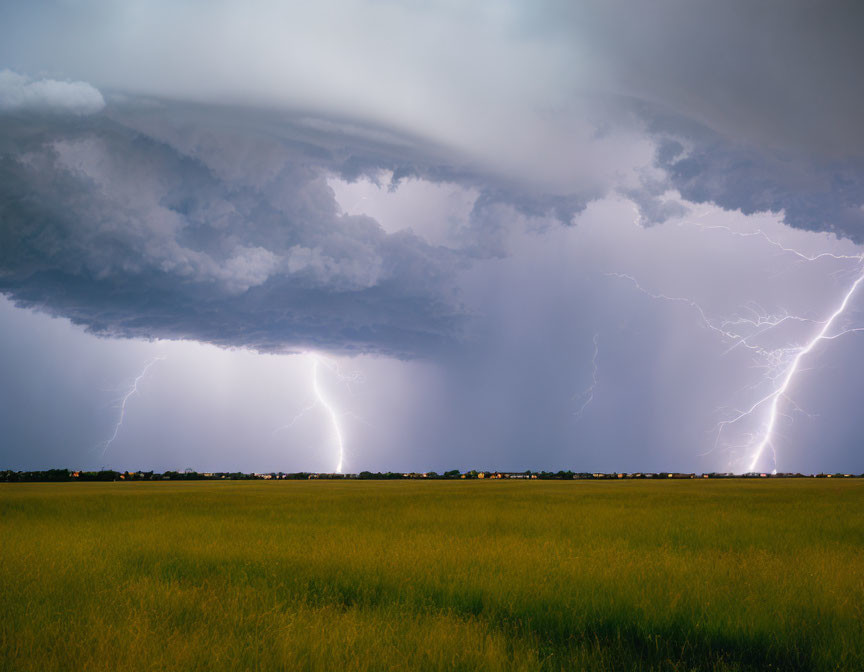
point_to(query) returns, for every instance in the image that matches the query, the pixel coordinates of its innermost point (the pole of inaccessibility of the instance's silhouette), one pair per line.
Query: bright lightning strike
(123, 401)
(334, 418)
(778, 393)
(321, 401)
(781, 364)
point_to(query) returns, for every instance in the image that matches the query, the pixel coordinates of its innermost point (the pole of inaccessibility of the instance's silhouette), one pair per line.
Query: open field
(719, 575)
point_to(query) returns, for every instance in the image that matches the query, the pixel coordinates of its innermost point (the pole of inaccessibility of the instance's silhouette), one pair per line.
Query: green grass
(705, 575)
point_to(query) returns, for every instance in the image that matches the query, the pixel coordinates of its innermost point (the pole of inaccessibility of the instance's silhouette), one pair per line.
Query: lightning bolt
(328, 407)
(780, 391)
(588, 394)
(321, 401)
(781, 364)
(124, 400)
(764, 236)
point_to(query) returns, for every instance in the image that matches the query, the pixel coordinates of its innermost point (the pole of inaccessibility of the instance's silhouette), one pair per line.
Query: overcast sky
(270, 236)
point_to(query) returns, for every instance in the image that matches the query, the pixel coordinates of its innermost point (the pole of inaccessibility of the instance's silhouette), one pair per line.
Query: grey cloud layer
(778, 74)
(234, 239)
(757, 105)
(170, 220)
(214, 220)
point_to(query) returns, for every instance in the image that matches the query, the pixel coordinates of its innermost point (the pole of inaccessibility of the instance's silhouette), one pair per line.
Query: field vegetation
(587, 575)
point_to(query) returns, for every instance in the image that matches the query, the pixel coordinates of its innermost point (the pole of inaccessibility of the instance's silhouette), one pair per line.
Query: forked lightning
(781, 364)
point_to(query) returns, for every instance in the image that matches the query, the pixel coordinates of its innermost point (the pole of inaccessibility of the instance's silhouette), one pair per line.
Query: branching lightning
(124, 400)
(781, 365)
(789, 250)
(780, 391)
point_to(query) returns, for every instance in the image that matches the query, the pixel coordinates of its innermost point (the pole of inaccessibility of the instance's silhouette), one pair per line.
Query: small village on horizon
(67, 475)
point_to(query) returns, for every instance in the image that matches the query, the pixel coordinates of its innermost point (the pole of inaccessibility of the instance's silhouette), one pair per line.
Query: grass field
(705, 575)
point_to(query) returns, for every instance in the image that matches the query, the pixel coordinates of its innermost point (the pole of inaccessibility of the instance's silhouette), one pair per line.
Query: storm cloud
(440, 192)
(159, 219)
(232, 239)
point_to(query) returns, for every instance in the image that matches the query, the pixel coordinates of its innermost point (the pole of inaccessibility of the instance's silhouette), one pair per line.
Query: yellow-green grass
(683, 575)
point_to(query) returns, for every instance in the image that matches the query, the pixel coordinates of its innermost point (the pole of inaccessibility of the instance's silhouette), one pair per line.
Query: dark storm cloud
(754, 105)
(824, 195)
(132, 236)
(161, 220)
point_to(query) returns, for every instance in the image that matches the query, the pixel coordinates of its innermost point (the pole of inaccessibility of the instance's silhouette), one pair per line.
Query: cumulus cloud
(160, 218)
(20, 94)
(225, 237)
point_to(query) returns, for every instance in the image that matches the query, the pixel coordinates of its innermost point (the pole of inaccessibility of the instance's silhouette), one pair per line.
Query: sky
(387, 235)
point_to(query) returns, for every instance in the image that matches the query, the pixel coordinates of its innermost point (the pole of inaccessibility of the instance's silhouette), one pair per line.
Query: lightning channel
(781, 364)
(588, 394)
(328, 407)
(764, 236)
(133, 389)
(781, 389)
